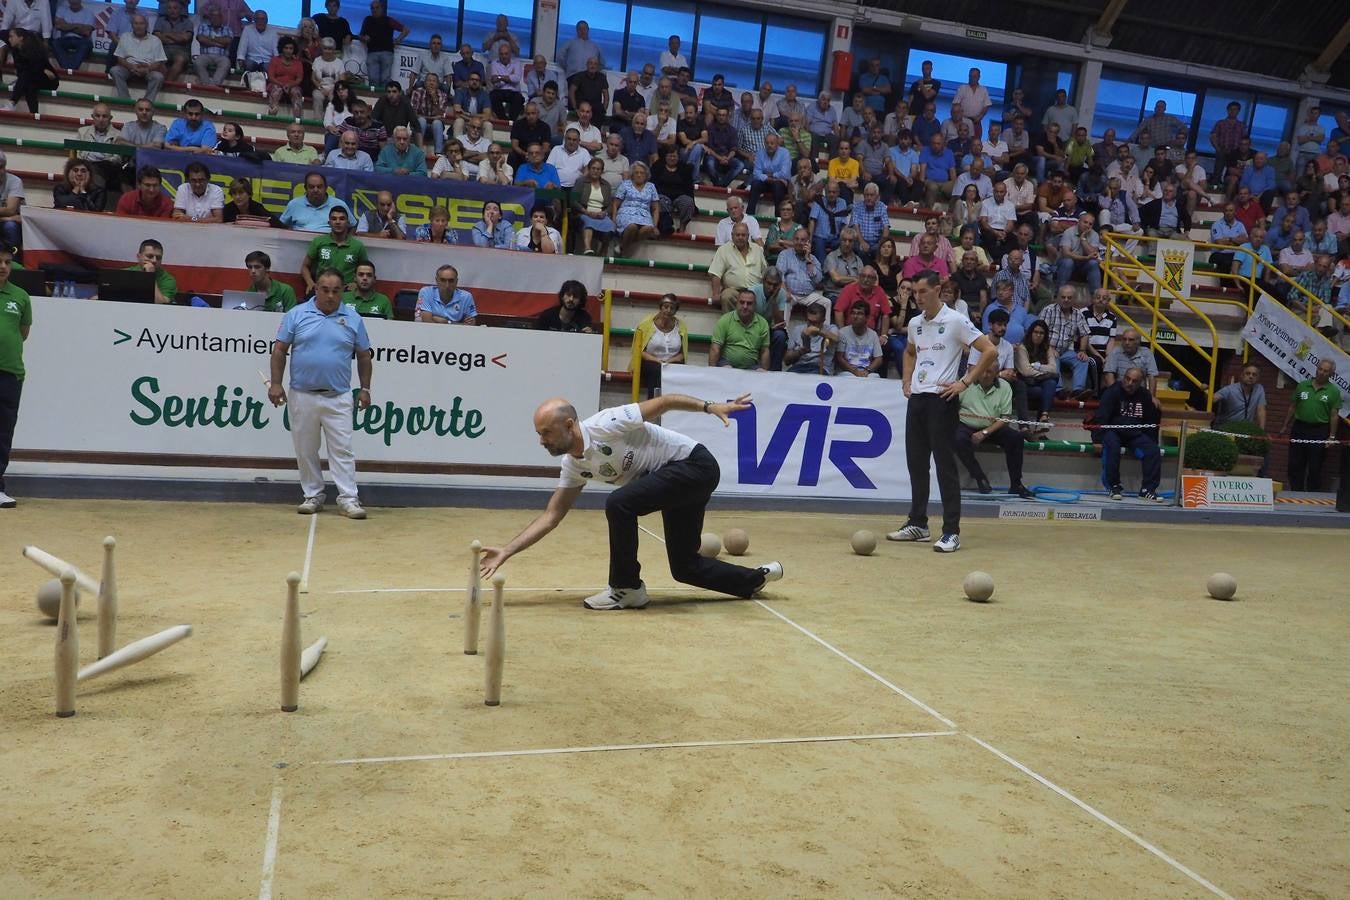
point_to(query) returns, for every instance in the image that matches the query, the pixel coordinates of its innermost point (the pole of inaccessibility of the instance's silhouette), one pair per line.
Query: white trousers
(329, 415)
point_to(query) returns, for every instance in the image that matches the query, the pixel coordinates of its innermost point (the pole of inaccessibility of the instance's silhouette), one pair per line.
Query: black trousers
(1007, 437)
(11, 386)
(778, 190)
(930, 431)
(680, 491)
(1305, 460)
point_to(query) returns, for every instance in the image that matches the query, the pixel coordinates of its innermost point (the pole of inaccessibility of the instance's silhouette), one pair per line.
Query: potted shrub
(1208, 453)
(1252, 445)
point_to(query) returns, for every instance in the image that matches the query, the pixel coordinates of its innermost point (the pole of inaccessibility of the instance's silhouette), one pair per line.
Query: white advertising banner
(158, 385)
(806, 436)
(1296, 347)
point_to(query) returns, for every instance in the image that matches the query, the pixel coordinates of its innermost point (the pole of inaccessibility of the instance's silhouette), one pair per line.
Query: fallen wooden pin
(136, 651)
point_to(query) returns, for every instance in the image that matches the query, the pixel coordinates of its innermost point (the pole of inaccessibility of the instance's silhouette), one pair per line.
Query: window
(1327, 119)
(1120, 100)
(286, 13)
(793, 52)
(1271, 122)
(1215, 108)
(649, 31)
(422, 20)
(725, 37)
(606, 20)
(953, 71)
(480, 20)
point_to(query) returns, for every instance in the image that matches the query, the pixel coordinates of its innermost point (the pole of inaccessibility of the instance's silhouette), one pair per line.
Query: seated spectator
(1338, 224)
(148, 201)
(1017, 262)
(822, 120)
(998, 217)
(1128, 354)
(975, 177)
(691, 137)
(859, 349)
(782, 234)
(1051, 155)
(451, 164)
(984, 408)
(370, 134)
(34, 68)
(437, 229)
(796, 139)
(722, 163)
(660, 339)
(737, 214)
(926, 260)
(790, 106)
(140, 56)
(871, 151)
(592, 201)
(539, 236)
(506, 81)
(1243, 400)
(590, 85)
(150, 258)
(904, 309)
(338, 249)
(472, 101)
(851, 119)
(285, 78)
(77, 189)
(242, 205)
(1051, 196)
(1063, 218)
(278, 295)
(638, 142)
(363, 297)
(1316, 282)
(616, 164)
(214, 39)
(1038, 367)
(1296, 258)
(865, 290)
(570, 314)
(569, 158)
(296, 151)
(1006, 362)
(635, 209)
(751, 132)
(1281, 233)
(335, 115)
(1017, 316)
(842, 265)
(445, 302)
(1124, 403)
(827, 218)
(808, 186)
(811, 344)
(888, 263)
(1166, 217)
(965, 210)
(626, 101)
(106, 167)
(1248, 210)
(391, 111)
(1120, 214)
(72, 34)
(803, 275)
(1069, 340)
(771, 302)
(674, 182)
(384, 221)
(495, 169)
(492, 231)
(1101, 326)
(233, 143)
(199, 200)
(193, 131)
(349, 155)
(937, 169)
(257, 44)
(324, 75)
(741, 337)
(527, 130)
(465, 67)
(1080, 254)
(400, 157)
(538, 74)
(1257, 260)
(969, 281)
(537, 173)
(735, 266)
(592, 140)
(310, 212)
(870, 219)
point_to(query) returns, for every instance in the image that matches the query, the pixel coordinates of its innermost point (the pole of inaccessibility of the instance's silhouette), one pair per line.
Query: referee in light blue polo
(321, 336)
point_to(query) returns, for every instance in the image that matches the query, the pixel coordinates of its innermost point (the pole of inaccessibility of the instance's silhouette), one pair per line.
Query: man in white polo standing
(938, 341)
(322, 336)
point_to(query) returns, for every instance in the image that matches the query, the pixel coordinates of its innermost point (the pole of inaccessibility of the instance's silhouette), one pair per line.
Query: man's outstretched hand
(491, 560)
(723, 410)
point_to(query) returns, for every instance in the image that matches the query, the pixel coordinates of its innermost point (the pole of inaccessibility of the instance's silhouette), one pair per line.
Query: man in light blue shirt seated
(773, 172)
(349, 155)
(822, 120)
(1259, 178)
(400, 157)
(537, 173)
(1018, 317)
(1242, 263)
(939, 170)
(1226, 231)
(445, 303)
(309, 212)
(900, 162)
(193, 131)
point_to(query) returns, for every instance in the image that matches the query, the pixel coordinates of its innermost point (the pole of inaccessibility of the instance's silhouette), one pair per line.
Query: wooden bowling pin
(107, 601)
(56, 566)
(136, 651)
(290, 646)
(67, 647)
(310, 658)
(496, 642)
(473, 606)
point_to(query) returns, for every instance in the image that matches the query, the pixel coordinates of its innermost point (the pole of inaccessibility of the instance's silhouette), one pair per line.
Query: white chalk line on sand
(309, 554)
(614, 748)
(526, 590)
(269, 867)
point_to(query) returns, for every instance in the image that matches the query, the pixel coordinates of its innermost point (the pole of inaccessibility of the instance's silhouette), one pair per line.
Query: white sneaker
(352, 509)
(310, 506)
(772, 571)
(623, 598)
(948, 543)
(7, 502)
(909, 533)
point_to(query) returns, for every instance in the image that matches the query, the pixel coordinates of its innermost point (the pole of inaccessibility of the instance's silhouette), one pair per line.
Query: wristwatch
(706, 404)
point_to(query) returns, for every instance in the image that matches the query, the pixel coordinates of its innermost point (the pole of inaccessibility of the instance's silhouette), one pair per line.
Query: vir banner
(806, 436)
(275, 184)
(210, 258)
(1175, 266)
(158, 385)
(1296, 347)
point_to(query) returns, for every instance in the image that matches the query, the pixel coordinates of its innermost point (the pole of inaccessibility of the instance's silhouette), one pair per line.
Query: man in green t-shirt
(370, 303)
(741, 337)
(16, 317)
(280, 296)
(1315, 412)
(337, 249)
(150, 258)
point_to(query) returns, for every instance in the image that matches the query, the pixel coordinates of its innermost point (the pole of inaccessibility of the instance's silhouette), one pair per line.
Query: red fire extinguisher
(841, 71)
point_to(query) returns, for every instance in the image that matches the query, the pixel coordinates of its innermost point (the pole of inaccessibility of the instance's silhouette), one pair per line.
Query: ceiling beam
(1333, 50)
(1108, 18)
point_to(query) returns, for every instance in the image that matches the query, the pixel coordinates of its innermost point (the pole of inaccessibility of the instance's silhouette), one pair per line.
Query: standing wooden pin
(473, 606)
(496, 642)
(67, 647)
(107, 601)
(290, 646)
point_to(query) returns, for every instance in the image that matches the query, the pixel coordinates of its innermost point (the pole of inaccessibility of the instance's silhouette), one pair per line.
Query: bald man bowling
(655, 469)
